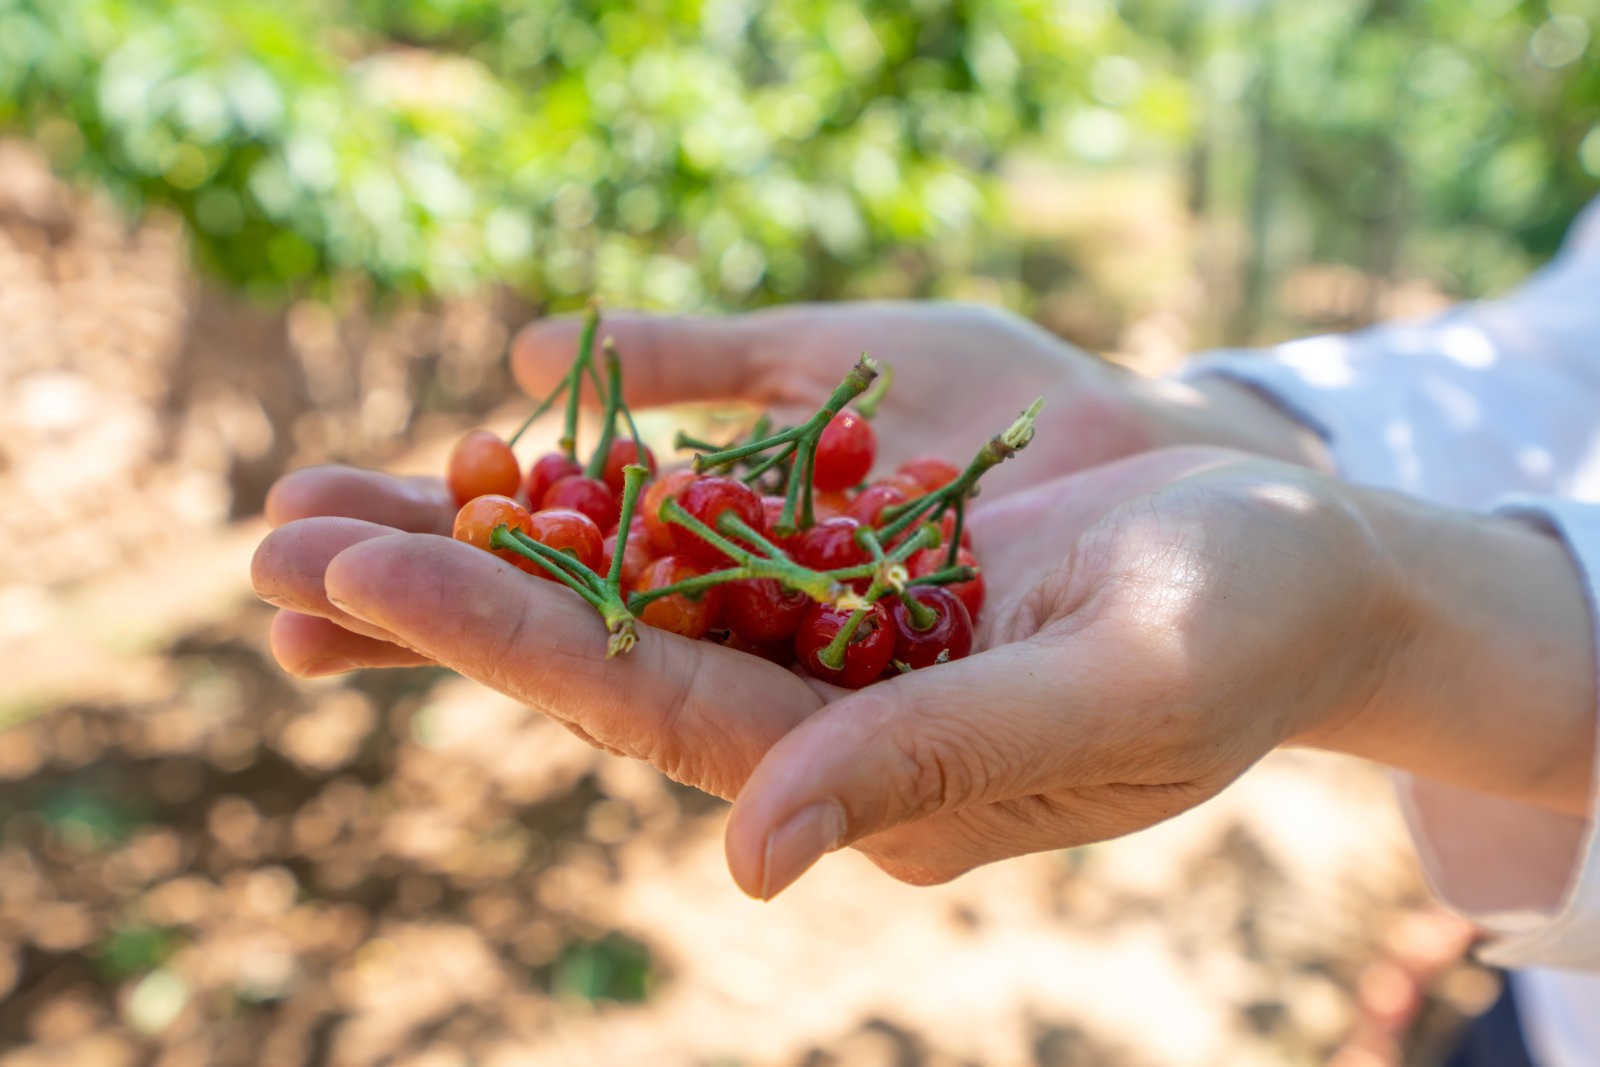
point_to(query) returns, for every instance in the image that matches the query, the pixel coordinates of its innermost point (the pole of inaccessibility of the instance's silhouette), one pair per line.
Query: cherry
(567, 531)
(779, 652)
(588, 495)
(478, 517)
(763, 610)
(830, 545)
(635, 557)
(546, 471)
(865, 657)
(678, 612)
(650, 502)
(869, 505)
(930, 560)
(771, 512)
(949, 635)
(929, 472)
(845, 451)
(623, 452)
(708, 499)
(482, 465)
(829, 505)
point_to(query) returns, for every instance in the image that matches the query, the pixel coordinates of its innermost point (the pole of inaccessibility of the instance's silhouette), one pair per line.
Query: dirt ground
(205, 862)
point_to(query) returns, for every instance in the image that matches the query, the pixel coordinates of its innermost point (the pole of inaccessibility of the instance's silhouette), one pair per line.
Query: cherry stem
(947, 576)
(768, 463)
(633, 476)
(570, 571)
(734, 526)
(602, 595)
(922, 617)
(608, 420)
(831, 655)
(995, 451)
(569, 433)
(953, 553)
(804, 439)
(818, 585)
(544, 405)
(867, 403)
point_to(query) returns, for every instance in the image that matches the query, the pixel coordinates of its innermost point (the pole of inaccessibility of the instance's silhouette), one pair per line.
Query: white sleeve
(1527, 874)
(1490, 399)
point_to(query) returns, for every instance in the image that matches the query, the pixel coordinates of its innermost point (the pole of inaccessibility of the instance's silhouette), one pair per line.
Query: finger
(310, 647)
(999, 726)
(665, 359)
(287, 569)
(702, 713)
(416, 505)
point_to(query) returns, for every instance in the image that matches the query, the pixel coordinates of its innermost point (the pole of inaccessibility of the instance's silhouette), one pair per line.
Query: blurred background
(240, 237)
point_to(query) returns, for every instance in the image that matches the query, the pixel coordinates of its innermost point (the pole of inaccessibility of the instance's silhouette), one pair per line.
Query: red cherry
(478, 517)
(950, 634)
(546, 471)
(869, 505)
(779, 652)
(932, 559)
(763, 610)
(845, 451)
(865, 657)
(623, 452)
(678, 613)
(708, 499)
(830, 545)
(635, 557)
(482, 465)
(588, 495)
(771, 512)
(930, 473)
(829, 505)
(567, 531)
(650, 502)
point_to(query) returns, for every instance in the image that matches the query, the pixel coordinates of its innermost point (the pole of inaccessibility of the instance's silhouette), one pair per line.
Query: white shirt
(1492, 405)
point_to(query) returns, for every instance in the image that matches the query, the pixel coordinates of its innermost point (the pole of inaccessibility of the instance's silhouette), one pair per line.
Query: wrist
(1484, 663)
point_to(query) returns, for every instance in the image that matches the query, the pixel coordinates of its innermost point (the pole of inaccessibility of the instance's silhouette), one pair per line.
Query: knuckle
(935, 768)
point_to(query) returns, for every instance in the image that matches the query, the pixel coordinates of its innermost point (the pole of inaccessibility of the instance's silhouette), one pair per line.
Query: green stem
(570, 572)
(868, 403)
(922, 616)
(831, 655)
(608, 420)
(815, 584)
(633, 476)
(569, 433)
(856, 382)
(995, 451)
(947, 576)
(768, 463)
(953, 553)
(688, 586)
(734, 526)
(686, 440)
(544, 405)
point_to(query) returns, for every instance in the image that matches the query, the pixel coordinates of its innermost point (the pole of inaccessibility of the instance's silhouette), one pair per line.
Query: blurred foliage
(135, 949)
(689, 153)
(614, 967)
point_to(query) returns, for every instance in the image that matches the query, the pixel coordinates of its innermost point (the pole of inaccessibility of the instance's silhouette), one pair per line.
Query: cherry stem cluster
(799, 442)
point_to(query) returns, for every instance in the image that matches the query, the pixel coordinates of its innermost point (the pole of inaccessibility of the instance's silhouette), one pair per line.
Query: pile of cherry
(775, 545)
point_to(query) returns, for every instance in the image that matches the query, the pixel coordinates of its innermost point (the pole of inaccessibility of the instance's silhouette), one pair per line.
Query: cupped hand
(1156, 625)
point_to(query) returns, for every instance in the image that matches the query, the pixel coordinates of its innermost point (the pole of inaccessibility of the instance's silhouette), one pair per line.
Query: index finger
(666, 359)
(701, 713)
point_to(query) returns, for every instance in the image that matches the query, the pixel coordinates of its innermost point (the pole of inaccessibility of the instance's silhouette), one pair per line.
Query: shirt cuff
(1528, 875)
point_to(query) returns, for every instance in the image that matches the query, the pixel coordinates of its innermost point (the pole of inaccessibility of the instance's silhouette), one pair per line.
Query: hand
(1158, 624)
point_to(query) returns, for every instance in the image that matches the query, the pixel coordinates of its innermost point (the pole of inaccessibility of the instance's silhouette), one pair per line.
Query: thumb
(665, 359)
(996, 726)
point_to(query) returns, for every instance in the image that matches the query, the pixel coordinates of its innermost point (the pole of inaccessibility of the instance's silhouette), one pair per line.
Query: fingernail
(810, 833)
